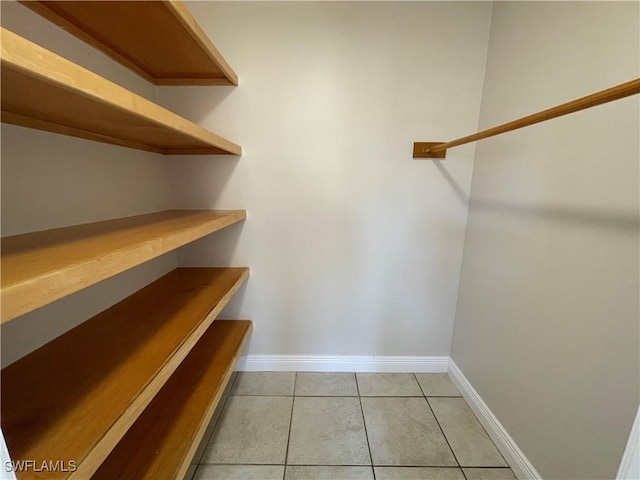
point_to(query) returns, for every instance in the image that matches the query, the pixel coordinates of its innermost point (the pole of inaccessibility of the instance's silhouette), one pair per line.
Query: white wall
(53, 181)
(354, 248)
(547, 321)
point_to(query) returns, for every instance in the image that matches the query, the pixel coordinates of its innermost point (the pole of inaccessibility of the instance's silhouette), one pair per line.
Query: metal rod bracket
(421, 150)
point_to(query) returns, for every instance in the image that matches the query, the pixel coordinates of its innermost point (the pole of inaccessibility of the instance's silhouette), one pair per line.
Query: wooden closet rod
(439, 149)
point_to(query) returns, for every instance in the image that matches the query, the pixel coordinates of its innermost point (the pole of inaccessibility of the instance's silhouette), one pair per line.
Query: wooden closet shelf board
(163, 440)
(159, 40)
(45, 91)
(41, 267)
(75, 397)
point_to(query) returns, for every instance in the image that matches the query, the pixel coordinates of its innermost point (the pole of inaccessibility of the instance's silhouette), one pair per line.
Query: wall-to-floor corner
(515, 457)
(547, 328)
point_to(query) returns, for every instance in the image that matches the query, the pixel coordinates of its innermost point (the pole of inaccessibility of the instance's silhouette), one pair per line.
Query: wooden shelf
(158, 40)
(44, 91)
(75, 397)
(162, 442)
(40, 267)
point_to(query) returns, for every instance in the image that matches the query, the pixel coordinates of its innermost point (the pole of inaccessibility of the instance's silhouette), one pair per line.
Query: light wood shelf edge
(39, 124)
(31, 60)
(208, 413)
(182, 411)
(93, 252)
(20, 377)
(107, 443)
(182, 16)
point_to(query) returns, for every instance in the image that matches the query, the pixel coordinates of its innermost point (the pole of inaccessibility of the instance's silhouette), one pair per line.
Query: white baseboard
(521, 466)
(630, 464)
(339, 363)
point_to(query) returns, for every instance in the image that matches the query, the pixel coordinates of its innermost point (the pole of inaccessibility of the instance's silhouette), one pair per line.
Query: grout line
(486, 433)
(340, 396)
(488, 436)
(393, 396)
(477, 420)
(246, 464)
(364, 423)
(452, 467)
(443, 396)
(487, 467)
(328, 396)
(288, 395)
(293, 402)
(352, 465)
(439, 426)
(361, 465)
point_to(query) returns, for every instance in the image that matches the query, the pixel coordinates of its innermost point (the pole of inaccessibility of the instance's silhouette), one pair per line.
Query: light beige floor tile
(251, 430)
(437, 385)
(264, 383)
(239, 472)
(327, 431)
(418, 473)
(489, 474)
(403, 431)
(328, 473)
(326, 384)
(469, 441)
(388, 385)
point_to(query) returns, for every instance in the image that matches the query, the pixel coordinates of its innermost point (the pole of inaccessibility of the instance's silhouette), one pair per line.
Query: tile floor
(334, 426)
